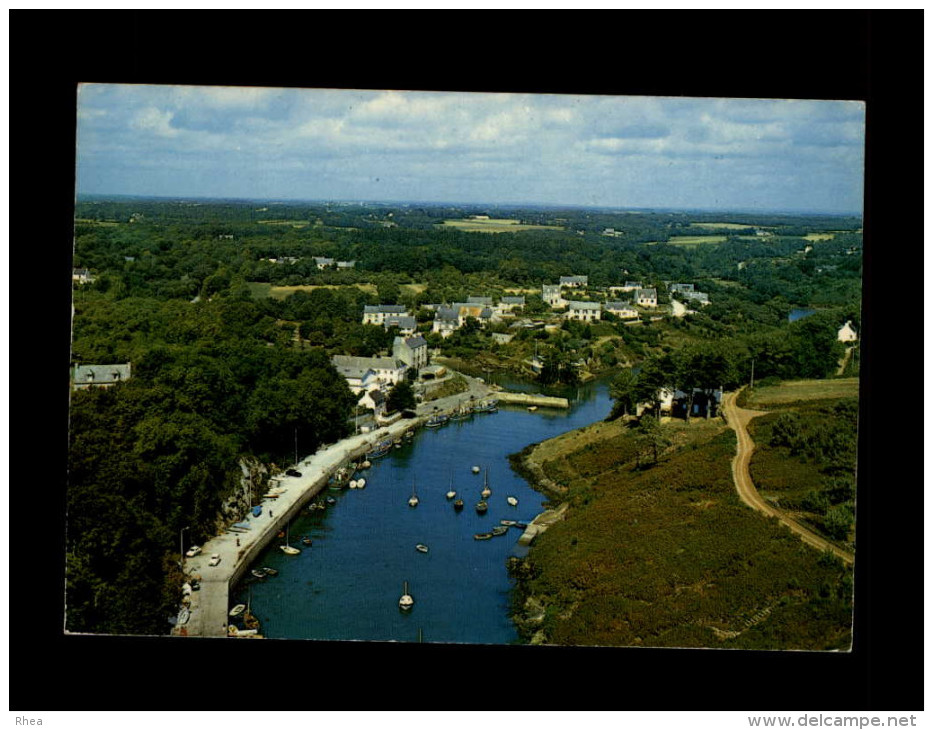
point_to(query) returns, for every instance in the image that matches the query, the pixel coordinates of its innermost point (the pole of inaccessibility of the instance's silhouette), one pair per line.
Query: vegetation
(666, 555)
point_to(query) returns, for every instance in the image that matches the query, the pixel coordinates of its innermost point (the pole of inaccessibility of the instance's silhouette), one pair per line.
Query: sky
(485, 148)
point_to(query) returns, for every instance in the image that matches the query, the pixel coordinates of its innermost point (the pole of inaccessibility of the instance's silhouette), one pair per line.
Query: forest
(227, 370)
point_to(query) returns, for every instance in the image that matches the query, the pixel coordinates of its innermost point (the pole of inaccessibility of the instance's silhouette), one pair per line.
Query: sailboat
(481, 506)
(413, 500)
(458, 504)
(486, 490)
(286, 548)
(451, 493)
(512, 501)
(406, 601)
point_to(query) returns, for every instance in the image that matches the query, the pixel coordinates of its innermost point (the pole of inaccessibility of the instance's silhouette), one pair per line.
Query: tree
(651, 438)
(622, 391)
(401, 397)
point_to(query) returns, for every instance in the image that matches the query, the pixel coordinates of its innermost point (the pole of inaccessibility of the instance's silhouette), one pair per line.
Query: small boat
(486, 490)
(532, 408)
(458, 505)
(271, 571)
(482, 536)
(490, 406)
(409, 434)
(507, 523)
(461, 414)
(257, 573)
(366, 465)
(475, 470)
(413, 500)
(360, 483)
(450, 492)
(521, 525)
(499, 530)
(353, 484)
(512, 501)
(331, 501)
(306, 541)
(238, 609)
(406, 601)
(184, 615)
(288, 549)
(481, 507)
(380, 451)
(421, 548)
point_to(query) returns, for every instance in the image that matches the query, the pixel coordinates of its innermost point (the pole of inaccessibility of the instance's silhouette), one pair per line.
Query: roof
(479, 300)
(401, 321)
(554, 288)
(101, 374)
(448, 313)
(356, 367)
(414, 342)
(585, 305)
(652, 293)
(618, 305)
(573, 279)
(513, 300)
(384, 309)
(682, 287)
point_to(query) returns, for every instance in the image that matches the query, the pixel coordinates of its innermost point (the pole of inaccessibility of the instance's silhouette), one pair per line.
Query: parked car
(292, 473)
(215, 559)
(193, 550)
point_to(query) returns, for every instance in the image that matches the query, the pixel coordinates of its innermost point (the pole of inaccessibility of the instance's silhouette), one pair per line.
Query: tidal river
(347, 585)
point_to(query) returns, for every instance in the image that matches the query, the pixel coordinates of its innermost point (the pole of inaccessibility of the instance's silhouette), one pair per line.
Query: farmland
(802, 390)
(496, 225)
(260, 290)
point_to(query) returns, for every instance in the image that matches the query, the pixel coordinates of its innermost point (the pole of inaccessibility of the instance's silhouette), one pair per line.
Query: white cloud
(158, 122)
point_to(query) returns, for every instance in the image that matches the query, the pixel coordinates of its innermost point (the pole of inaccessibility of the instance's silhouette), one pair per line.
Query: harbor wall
(532, 399)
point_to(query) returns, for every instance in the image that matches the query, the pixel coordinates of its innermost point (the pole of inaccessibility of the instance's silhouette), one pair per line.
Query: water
(347, 585)
(796, 314)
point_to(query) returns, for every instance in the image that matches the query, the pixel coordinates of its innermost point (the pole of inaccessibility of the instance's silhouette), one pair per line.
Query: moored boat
(406, 601)
(475, 470)
(486, 490)
(450, 492)
(507, 523)
(421, 548)
(413, 500)
(481, 507)
(499, 530)
(436, 421)
(257, 573)
(458, 504)
(512, 501)
(271, 571)
(306, 541)
(482, 536)
(331, 501)
(238, 609)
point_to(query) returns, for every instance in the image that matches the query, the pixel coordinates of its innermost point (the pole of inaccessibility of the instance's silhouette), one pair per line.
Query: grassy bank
(668, 555)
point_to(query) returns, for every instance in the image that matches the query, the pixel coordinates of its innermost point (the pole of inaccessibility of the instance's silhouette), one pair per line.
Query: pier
(540, 523)
(531, 399)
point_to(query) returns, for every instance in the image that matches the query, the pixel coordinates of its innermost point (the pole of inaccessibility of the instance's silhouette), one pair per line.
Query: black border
(873, 56)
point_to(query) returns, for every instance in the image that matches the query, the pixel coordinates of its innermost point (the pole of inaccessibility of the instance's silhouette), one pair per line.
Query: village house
(584, 311)
(100, 376)
(510, 304)
(676, 402)
(484, 301)
(847, 333)
(622, 310)
(550, 293)
(612, 233)
(323, 263)
(696, 296)
(366, 373)
(377, 313)
(574, 281)
(346, 264)
(406, 324)
(82, 276)
(681, 288)
(413, 351)
(646, 297)
(446, 321)
(501, 338)
(481, 313)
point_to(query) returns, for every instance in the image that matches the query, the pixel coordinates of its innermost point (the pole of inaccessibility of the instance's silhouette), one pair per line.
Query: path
(738, 419)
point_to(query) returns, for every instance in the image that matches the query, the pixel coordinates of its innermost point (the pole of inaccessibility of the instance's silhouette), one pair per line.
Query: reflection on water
(347, 585)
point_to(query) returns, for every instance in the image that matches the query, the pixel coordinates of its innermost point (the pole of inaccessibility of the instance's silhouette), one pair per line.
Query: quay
(209, 605)
(540, 523)
(531, 399)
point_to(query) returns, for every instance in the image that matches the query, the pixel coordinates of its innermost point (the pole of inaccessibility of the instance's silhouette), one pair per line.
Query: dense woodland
(226, 368)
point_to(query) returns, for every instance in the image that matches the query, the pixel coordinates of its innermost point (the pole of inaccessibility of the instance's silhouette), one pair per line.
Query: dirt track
(738, 419)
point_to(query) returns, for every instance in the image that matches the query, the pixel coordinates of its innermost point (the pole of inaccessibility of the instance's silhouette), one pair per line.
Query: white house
(406, 325)
(82, 276)
(413, 351)
(323, 263)
(550, 293)
(681, 288)
(696, 296)
(100, 376)
(385, 371)
(584, 311)
(574, 281)
(377, 313)
(847, 333)
(446, 321)
(346, 264)
(646, 297)
(622, 310)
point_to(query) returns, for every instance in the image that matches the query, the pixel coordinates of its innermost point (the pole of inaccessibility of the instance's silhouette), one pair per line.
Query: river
(346, 586)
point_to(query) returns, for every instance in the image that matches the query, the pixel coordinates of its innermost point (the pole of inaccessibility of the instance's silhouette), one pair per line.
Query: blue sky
(627, 152)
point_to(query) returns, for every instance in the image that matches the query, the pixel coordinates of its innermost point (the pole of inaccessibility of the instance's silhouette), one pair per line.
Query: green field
(728, 226)
(802, 390)
(690, 241)
(496, 225)
(819, 237)
(261, 290)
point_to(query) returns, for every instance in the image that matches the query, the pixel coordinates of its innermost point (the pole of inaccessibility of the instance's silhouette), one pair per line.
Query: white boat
(406, 601)
(360, 483)
(353, 484)
(532, 408)
(421, 548)
(286, 548)
(451, 493)
(486, 490)
(413, 500)
(183, 615)
(512, 501)
(238, 609)
(475, 470)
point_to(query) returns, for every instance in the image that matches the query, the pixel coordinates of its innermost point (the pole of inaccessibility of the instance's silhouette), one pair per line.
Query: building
(82, 276)
(446, 321)
(676, 402)
(484, 301)
(646, 297)
(574, 281)
(501, 339)
(847, 333)
(376, 313)
(346, 264)
(406, 324)
(323, 263)
(550, 293)
(696, 296)
(100, 376)
(366, 373)
(413, 351)
(584, 311)
(622, 310)
(681, 288)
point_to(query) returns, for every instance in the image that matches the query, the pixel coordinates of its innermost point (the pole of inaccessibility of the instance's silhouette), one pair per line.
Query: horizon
(558, 150)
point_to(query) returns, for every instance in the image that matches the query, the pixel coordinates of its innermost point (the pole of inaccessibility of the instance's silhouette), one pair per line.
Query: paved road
(738, 419)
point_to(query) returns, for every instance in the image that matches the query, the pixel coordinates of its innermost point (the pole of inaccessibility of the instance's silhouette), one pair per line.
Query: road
(738, 419)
